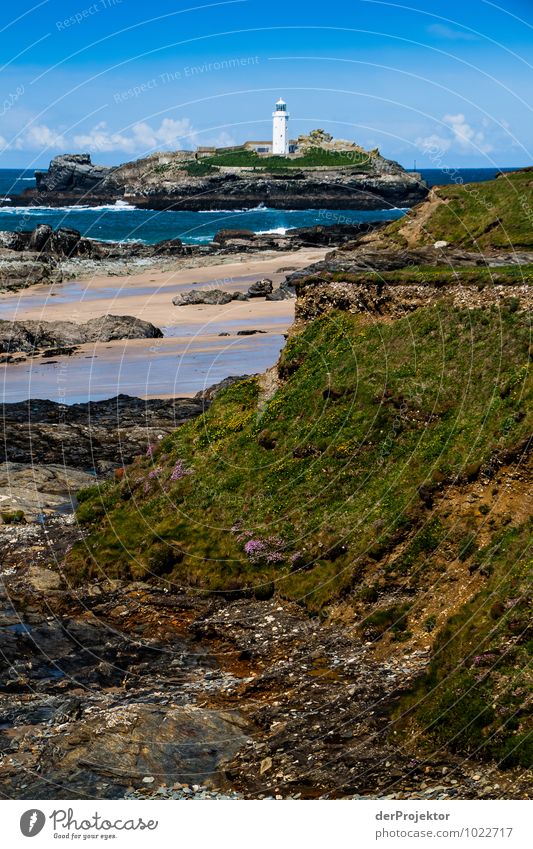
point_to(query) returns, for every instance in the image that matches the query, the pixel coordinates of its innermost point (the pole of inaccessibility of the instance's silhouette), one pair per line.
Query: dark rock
(66, 240)
(260, 288)
(72, 172)
(170, 247)
(249, 332)
(30, 335)
(13, 241)
(21, 269)
(205, 296)
(332, 234)
(99, 435)
(282, 293)
(65, 351)
(40, 238)
(229, 235)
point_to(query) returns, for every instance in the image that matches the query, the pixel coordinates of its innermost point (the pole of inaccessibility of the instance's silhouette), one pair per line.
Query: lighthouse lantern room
(280, 136)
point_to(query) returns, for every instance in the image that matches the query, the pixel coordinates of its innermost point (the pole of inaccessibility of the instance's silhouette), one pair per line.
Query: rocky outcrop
(96, 436)
(367, 257)
(19, 270)
(29, 336)
(38, 490)
(260, 289)
(152, 183)
(72, 172)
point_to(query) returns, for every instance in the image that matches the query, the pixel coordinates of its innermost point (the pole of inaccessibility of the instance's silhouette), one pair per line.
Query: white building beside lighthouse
(280, 123)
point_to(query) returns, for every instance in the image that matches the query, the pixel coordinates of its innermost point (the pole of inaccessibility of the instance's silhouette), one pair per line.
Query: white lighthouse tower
(280, 121)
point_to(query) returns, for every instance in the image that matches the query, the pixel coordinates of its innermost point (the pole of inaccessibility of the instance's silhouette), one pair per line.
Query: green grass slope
(371, 484)
(494, 214)
(300, 490)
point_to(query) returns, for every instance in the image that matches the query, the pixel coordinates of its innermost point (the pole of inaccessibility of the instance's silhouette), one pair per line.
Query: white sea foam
(119, 206)
(277, 231)
(260, 208)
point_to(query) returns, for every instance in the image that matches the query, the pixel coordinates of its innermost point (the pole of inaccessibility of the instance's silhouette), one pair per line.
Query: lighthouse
(280, 120)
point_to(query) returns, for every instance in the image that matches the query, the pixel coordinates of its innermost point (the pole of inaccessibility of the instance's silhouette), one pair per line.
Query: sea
(120, 222)
(189, 358)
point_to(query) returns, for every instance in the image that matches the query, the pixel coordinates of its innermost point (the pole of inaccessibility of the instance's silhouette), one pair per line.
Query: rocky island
(326, 176)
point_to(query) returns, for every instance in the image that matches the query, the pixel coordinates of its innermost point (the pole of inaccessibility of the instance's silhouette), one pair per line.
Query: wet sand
(148, 294)
(191, 356)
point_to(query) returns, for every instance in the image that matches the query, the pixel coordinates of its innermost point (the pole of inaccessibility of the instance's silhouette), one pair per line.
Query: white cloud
(465, 135)
(462, 138)
(223, 139)
(450, 33)
(170, 134)
(38, 137)
(433, 144)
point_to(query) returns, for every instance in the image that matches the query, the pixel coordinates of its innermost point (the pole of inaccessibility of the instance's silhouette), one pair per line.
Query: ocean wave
(276, 231)
(119, 241)
(118, 206)
(260, 208)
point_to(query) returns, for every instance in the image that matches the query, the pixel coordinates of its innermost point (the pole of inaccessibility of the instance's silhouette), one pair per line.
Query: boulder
(207, 296)
(29, 336)
(282, 293)
(65, 241)
(41, 238)
(260, 288)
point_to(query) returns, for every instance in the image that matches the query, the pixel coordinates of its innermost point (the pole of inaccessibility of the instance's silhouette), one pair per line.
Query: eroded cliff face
(164, 181)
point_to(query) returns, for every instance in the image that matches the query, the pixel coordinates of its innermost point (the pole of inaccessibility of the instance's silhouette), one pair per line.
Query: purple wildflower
(255, 548)
(150, 450)
(180, 471)
(263, 550)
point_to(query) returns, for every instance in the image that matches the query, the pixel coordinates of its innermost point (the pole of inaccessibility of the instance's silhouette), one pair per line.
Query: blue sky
(445, 83)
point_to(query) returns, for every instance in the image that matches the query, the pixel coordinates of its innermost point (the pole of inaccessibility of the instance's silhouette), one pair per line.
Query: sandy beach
(192, 355)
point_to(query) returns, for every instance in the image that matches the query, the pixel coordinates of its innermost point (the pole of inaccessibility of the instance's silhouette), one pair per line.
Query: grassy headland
(494, 214)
